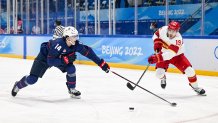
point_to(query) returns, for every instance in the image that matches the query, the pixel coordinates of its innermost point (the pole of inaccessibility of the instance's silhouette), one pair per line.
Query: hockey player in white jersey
(169, 48)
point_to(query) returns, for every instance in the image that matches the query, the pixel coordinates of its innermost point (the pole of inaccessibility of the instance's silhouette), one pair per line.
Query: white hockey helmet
(70, 31)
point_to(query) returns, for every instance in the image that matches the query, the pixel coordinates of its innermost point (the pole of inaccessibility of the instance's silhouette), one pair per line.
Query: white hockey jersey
(171, 47)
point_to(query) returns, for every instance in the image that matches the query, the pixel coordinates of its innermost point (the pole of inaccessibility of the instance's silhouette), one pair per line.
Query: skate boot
(19, 85)
(74, 93)
(163, 83)
(199, 91)
(15, 90)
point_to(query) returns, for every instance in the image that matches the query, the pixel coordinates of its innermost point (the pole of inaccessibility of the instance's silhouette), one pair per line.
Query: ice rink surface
(105, 97)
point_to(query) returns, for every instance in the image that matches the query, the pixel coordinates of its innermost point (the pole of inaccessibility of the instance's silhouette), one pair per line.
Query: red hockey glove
(158, 45)
(155, 58)
(69, 59)
(104, 66)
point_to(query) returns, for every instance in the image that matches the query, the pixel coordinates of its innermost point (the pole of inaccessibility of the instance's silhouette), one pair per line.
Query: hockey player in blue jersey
(60, 53)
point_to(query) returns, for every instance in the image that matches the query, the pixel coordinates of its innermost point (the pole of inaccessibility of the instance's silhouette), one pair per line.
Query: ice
(105, 97)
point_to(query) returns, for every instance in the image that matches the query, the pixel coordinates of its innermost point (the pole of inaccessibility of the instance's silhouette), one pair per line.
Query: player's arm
(158, 42)
(160, 57)
(167, 55)
(171, 52)
(89, 53)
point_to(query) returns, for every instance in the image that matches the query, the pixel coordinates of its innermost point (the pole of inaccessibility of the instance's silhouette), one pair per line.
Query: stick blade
(130, 86)
(173, 104)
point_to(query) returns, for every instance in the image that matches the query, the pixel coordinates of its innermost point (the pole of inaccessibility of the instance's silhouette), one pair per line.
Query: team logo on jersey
(216, 52)
(64, 50)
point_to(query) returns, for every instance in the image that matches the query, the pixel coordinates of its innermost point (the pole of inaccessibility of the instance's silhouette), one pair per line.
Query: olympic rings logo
(216, 52)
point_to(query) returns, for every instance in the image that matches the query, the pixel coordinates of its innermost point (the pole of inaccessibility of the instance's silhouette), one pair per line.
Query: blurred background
(108, 17)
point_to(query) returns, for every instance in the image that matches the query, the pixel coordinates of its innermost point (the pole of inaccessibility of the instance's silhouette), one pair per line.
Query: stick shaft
(142, 87)
(142, 75)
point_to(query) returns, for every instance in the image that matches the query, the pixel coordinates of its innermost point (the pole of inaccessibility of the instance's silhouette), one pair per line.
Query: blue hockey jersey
(55, 49)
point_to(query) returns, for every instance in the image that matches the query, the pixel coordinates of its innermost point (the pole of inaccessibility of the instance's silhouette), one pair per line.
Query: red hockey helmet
(173, 25)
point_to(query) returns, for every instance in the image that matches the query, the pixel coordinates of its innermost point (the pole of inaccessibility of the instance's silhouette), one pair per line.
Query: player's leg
(25, 81)
(161, 68)
(160, 73)
(38, 69)
(190, 72)
(183, 64)
(71, 80)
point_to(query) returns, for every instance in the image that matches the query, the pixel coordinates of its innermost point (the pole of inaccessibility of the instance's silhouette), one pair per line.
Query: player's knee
(71, 74)
(160, 72)
(71, 77)
(190, 72)
(31, 79)
(71, 69)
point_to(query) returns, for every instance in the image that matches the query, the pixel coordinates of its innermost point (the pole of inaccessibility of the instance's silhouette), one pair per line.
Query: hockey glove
(158, 45)
(155, 58)
(69, 59)
(104, 66)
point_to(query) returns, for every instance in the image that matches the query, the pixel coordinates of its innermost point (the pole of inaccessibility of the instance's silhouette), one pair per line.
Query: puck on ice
(131, 108)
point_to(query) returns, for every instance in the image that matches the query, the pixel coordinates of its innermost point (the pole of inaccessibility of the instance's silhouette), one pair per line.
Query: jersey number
(58, 47)
(179, 42)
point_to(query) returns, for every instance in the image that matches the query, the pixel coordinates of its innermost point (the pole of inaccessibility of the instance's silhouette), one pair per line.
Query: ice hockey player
(169, 45)
(60, 53)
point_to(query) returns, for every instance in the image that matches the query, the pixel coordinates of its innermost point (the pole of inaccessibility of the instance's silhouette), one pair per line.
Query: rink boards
(120, 51)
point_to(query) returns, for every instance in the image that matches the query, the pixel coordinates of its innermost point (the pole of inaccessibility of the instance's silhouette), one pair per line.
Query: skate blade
(202, 94)
(75, 97)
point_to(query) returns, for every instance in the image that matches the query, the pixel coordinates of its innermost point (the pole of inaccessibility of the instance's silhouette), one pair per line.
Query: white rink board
(202, 53)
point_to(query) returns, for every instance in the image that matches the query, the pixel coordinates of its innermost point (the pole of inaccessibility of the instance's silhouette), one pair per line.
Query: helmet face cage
(70, 32)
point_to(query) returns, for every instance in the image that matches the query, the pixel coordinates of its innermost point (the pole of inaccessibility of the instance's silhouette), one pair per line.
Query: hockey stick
(172, 104)
(130, 86)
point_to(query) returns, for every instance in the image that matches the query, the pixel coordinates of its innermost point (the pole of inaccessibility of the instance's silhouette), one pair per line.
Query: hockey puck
(131, 108)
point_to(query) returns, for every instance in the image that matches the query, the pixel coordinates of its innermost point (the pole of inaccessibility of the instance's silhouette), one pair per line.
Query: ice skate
(163, 83)
(15, 90)
(74, 93)
(199, 91)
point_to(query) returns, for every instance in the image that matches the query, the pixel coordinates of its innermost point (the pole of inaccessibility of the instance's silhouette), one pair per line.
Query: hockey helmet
(173, 25)
(70, 31)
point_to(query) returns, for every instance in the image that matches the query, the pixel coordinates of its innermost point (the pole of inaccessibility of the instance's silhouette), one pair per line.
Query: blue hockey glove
(104, 66)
